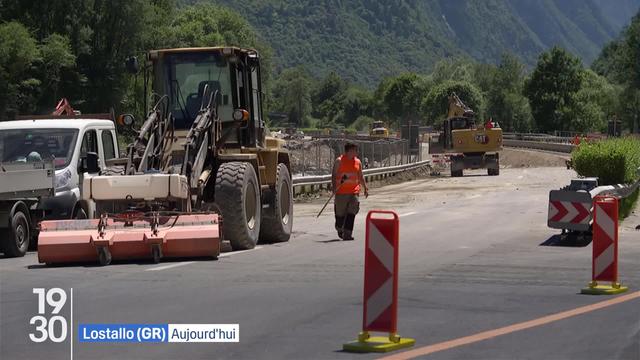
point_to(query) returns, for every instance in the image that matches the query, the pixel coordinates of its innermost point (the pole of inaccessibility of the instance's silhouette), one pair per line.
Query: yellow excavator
(471, 146)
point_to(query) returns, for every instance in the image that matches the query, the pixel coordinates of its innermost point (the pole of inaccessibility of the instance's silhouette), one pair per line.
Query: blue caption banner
(125, 333)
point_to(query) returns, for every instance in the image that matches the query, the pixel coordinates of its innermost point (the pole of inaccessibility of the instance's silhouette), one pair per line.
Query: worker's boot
(348, 226)
(339, 226)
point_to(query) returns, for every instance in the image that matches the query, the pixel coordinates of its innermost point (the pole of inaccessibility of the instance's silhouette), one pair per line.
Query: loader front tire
(237, 193)
(15, 241)
(277, 220)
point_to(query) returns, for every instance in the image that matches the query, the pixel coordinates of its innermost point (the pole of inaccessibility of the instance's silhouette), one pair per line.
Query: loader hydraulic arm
(152, 143)
(199, 145)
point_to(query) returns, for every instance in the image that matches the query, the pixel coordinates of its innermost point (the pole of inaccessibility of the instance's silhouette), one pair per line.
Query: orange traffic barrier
(380, 312)
(605, 247)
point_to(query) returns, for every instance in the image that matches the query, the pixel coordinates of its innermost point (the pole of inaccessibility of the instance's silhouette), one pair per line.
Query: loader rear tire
(277, 220)
(15, 241)
(237, 193)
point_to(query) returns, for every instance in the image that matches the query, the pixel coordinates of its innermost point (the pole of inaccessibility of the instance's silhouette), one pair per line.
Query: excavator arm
(457, 108)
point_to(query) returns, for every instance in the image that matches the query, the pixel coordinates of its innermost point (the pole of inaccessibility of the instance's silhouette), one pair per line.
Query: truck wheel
(456, 173)
(17, 241)
(278, 219)
(237, 193)
(80, 214)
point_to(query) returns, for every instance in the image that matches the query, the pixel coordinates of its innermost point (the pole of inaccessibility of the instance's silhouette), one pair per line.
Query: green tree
(211, 25)
(505, 102)
(57, 58)
(596, 102)
(357, 103)
(18, 53)
(328, 99)
(403, 96)
(435, 104)
(292, 94)
(552, 89)
(618, 62)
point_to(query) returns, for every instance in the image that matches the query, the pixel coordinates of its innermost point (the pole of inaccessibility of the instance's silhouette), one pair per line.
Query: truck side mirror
(92, 166)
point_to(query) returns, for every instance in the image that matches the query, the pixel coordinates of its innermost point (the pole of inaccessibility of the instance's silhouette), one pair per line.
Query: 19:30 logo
(55, 327)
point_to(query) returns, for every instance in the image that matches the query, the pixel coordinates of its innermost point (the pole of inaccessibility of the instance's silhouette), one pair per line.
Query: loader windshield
(35, 145)
(188, 75)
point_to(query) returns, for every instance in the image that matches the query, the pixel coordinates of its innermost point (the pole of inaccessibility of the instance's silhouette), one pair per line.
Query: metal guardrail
(312, 183)
(620, 191)
(539, 138)
(538, 145)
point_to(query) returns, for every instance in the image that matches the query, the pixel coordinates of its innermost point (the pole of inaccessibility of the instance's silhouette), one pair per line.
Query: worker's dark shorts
(346, 204)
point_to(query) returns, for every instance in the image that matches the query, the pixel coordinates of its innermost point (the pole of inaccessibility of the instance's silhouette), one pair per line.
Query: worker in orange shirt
(347, 182)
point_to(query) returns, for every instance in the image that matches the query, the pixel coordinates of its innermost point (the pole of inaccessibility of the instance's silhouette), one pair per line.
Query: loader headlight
(126, 120)
(62, 179)
(240, 115)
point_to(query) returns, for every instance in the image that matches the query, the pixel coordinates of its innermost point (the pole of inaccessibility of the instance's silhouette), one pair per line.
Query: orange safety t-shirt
(351, 168)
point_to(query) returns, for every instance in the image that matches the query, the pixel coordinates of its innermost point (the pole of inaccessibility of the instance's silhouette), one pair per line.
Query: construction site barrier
(380, 303)
(569, 210)
(605, 248)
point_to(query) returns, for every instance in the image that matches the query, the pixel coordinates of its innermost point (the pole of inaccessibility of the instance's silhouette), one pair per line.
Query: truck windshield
(188, 76)
(35, 145)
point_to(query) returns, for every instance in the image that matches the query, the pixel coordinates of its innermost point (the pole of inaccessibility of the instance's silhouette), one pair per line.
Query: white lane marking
(183, 263)
(170, 266)
(408, 214)
(238, 252)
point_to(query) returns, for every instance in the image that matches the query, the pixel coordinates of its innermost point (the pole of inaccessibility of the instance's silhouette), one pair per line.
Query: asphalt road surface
(475, 255)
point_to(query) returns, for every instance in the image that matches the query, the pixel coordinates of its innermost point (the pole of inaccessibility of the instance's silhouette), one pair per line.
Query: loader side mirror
(90, 163)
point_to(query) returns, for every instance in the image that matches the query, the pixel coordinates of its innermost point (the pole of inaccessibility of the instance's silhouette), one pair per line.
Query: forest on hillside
(77, 49)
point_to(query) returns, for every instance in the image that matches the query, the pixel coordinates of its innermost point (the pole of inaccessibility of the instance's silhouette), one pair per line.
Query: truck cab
(69, 142)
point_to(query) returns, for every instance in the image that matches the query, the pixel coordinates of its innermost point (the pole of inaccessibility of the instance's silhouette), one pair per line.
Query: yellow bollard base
(604, 289)
(380, 344)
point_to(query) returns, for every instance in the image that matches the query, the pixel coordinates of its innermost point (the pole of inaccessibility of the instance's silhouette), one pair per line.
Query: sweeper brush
(130, 236)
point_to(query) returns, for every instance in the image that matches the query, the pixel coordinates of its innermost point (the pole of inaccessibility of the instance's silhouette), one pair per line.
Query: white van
(71, 143)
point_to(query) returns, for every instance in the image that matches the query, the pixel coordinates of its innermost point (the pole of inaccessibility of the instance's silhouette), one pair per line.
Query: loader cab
(183, 74)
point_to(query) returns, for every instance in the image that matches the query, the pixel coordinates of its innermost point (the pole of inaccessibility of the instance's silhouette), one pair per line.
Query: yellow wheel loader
(201, 169)
(470, 146)
(378, 130)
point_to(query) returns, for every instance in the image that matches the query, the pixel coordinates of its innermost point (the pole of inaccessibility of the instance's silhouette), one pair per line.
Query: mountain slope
(366, 40)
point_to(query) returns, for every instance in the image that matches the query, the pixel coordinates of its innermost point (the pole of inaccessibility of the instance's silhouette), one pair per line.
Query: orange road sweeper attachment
(130, 236)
